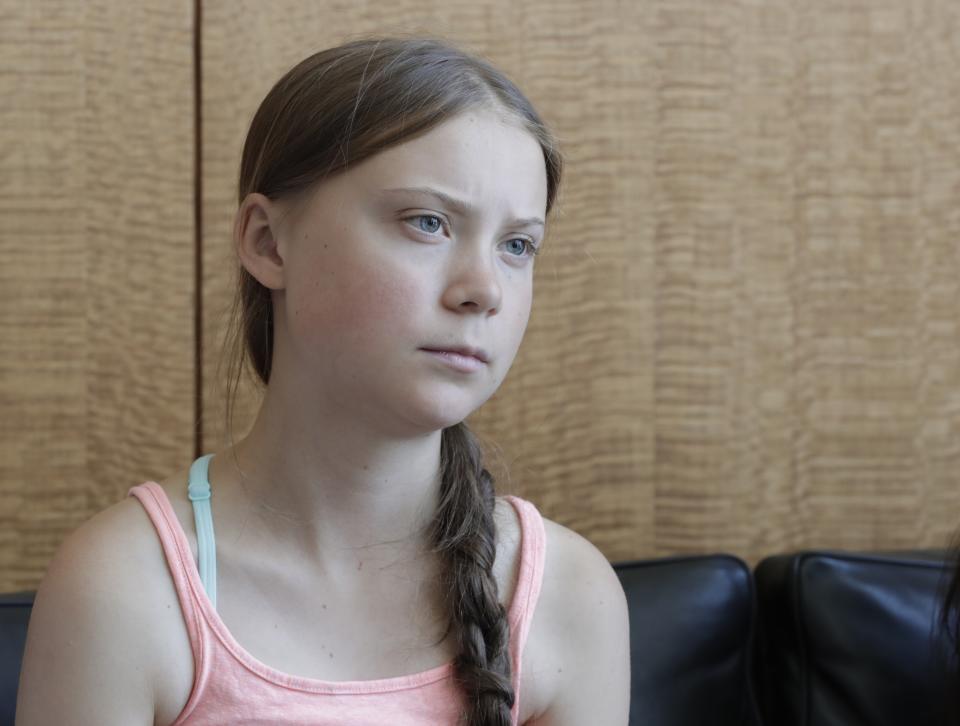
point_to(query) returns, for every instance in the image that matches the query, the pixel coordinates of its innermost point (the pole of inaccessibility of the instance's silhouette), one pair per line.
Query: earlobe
(254, 234)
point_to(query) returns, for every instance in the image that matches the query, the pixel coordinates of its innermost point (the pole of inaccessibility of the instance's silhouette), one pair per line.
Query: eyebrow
(457, 205)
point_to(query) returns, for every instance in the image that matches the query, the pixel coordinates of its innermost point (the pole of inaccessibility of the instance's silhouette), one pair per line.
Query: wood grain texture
(97, 249)
(745, 329)
(877, 180)
(549, 414)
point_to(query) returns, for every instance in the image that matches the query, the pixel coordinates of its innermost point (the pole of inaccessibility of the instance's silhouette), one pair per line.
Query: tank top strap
(198, 491)
(529, 580)
(176, 549)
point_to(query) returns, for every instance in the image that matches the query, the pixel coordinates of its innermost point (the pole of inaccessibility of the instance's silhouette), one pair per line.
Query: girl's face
(425, 246)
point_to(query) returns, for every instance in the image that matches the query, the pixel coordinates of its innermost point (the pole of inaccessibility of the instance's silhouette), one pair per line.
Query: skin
(348, 438)
(325, 500)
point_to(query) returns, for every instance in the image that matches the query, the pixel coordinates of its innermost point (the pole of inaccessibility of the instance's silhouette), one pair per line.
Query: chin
(438, 415)
(439, 421)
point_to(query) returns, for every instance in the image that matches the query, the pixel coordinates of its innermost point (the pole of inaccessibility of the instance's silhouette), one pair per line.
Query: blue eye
(433, 229)
(431, 224)
(525, 246)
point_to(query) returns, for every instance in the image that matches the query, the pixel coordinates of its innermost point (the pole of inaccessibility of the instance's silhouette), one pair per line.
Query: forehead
(477, 156)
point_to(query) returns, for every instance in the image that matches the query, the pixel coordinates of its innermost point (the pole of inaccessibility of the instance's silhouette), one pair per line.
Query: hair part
(329, 112)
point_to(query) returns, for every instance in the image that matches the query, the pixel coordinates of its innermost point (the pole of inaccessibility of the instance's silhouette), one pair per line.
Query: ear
(255, 236)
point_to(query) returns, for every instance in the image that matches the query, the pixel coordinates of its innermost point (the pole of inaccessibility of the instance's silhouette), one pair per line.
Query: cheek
(521, 312)
(385, 313)
(360, 304)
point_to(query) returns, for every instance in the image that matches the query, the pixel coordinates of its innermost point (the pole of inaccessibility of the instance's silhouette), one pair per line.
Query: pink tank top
(232, 687)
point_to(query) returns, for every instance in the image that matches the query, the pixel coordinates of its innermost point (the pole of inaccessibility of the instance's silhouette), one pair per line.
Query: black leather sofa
(808, 639)
(852, 639)
(816, 638)
(14, 614)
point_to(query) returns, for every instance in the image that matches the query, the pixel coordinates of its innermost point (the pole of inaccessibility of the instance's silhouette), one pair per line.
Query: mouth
(464, 351)
(461, 359)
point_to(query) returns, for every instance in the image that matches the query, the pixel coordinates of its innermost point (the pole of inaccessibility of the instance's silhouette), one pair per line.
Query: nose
(474, 284)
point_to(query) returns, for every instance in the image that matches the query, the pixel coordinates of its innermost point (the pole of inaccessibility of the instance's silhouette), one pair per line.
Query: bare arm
(593, 641)
(87, 645)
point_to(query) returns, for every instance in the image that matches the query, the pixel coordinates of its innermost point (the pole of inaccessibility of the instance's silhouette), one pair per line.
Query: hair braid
(464, 534)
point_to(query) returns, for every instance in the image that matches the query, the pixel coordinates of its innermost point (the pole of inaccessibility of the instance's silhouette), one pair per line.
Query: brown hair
(333, 110)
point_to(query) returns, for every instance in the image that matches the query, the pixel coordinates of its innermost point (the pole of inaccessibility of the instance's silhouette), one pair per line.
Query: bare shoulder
(89, 643)
(583, 612)
(574, 561)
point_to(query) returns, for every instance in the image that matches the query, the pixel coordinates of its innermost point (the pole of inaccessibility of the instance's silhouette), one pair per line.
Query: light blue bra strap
(198, 490)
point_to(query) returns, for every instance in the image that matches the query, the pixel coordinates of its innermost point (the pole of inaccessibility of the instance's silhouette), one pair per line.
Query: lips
(467, 350)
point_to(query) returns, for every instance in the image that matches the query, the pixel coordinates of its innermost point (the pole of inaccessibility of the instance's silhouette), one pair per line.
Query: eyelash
(533, 249)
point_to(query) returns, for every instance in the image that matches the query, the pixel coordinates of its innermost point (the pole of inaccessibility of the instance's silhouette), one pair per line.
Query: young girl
(347, 562)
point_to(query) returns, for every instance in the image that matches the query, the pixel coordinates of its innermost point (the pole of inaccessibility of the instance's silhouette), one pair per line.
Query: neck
(328, 488)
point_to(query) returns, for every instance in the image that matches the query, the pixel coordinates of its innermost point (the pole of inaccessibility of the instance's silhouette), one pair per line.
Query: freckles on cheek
(392, 301)
(382, 299)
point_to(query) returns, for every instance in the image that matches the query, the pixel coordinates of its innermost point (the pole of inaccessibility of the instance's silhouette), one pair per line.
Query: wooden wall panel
(745, 329)
(576, 407)
(877, 179)
(96, 262)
